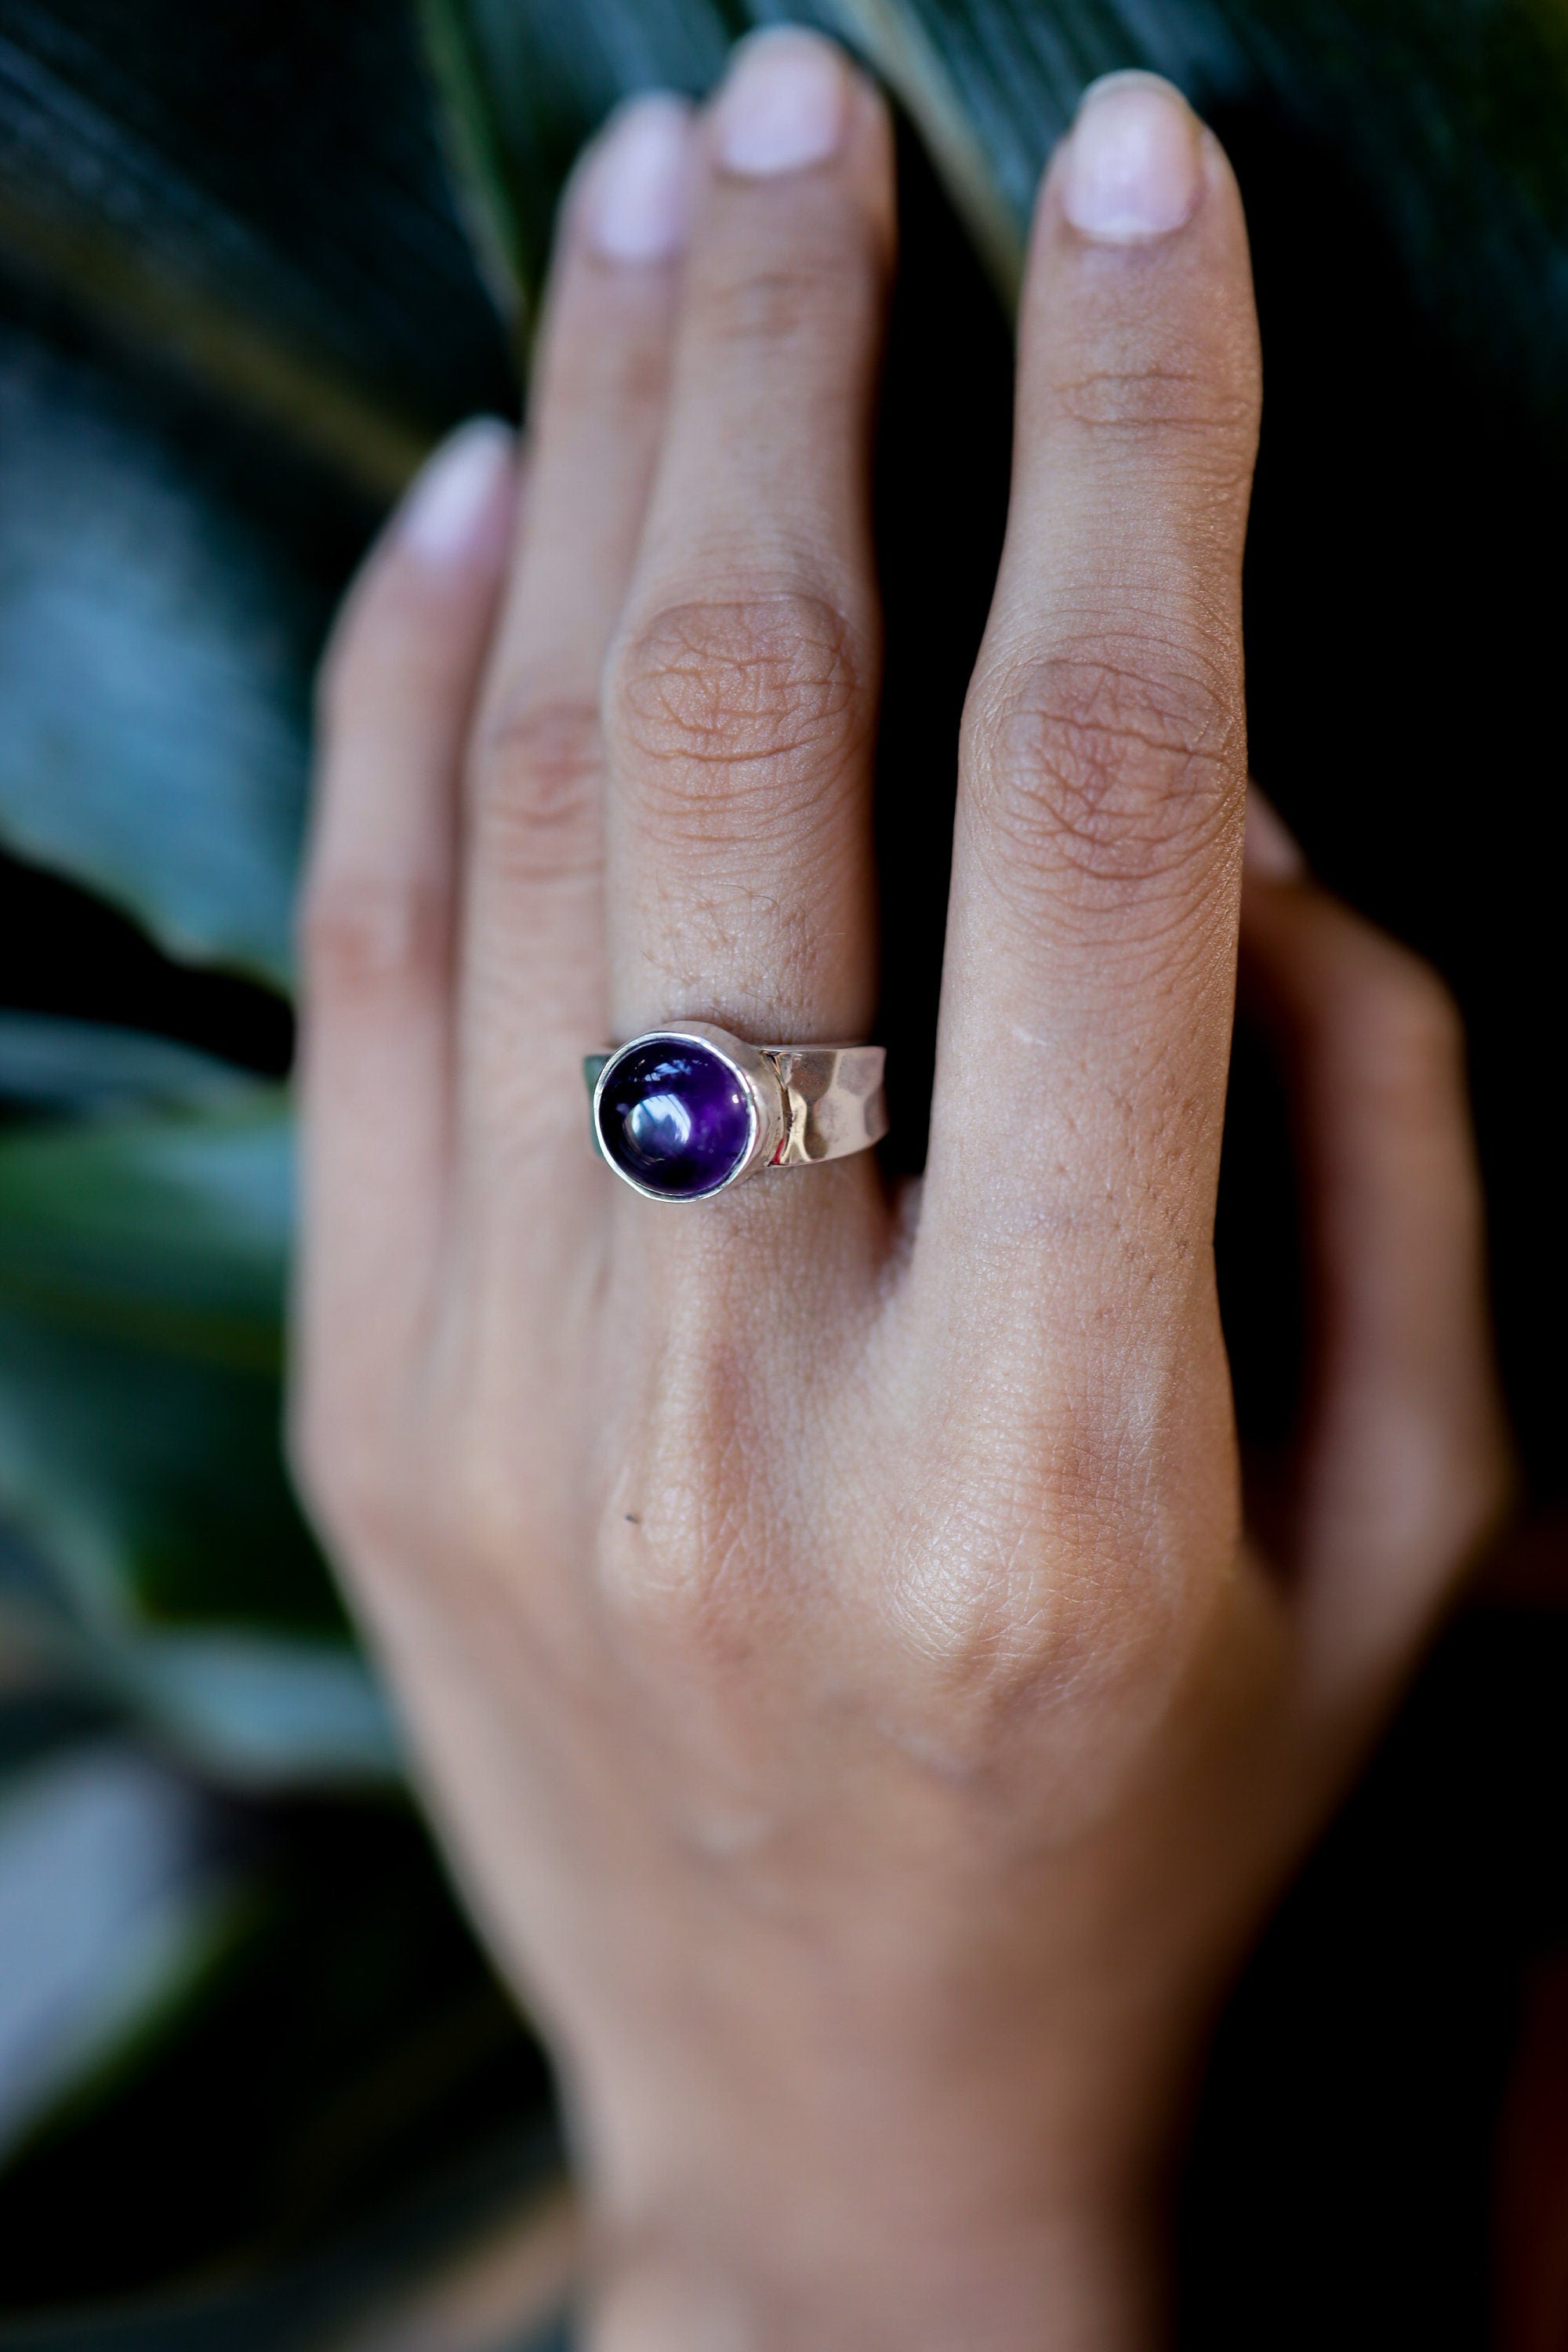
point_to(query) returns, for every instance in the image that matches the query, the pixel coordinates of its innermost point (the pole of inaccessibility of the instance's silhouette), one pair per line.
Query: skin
(854, 1698)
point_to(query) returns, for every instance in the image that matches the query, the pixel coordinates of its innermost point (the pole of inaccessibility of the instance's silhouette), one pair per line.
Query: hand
(828, 1625)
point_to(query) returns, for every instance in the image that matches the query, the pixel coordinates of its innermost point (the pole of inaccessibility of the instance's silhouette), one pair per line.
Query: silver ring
(685, 1111)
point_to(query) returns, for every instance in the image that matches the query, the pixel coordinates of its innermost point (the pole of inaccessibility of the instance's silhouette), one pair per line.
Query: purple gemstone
(675, 1117)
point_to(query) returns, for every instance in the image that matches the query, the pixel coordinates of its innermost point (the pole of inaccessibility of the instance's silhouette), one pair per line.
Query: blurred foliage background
(257, 2088)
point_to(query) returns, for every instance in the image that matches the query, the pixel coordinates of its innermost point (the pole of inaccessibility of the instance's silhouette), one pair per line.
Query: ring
(685, 1111)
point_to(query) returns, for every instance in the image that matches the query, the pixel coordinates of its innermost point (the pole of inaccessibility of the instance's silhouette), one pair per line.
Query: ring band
(685, 1111)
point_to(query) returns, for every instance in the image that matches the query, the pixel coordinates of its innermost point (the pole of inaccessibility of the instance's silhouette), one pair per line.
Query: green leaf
(1449, 117)
(141, 1272)
(525, 82)
(253, 198)
(140, 1297)
(114, 1907)
(248, 1711)
(155, 659)
(161, 1231)
(235, 307)
(152, 1479)
(349, 2094)
(47, 1063)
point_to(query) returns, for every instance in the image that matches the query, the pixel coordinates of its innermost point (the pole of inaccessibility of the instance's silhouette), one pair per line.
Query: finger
(377, 931)
(1087, 995)
(741, 698)
(1403, 1460)
(534, 951)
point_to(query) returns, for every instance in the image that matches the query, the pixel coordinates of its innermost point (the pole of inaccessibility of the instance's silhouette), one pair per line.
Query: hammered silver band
(834, 1100)
(802, 1103)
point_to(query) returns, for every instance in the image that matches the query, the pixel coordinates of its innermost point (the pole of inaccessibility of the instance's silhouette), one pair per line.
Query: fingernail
(782, 107)
(1272, 852)
(637, 201)
(1132, 168)
(456, 507)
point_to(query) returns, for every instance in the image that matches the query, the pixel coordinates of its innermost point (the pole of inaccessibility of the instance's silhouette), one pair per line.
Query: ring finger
(741, 698)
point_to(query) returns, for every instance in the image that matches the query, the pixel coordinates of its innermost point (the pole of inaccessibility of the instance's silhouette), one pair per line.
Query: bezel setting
(760, 1083)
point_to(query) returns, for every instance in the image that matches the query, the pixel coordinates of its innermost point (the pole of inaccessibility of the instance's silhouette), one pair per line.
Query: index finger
(1089, 976)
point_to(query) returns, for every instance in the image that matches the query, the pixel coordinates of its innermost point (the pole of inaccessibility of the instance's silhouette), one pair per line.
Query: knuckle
(1409, 1040)
(478, 1501)
(792, 299)
(1422, 1017)
(338, 1480)
(671, 1580)
(361, 933)
(1019, 1603)
(476, 1511)
(984, 1660)
(598, 374)
(767, 689)
(1032, 1644)
(1161, 396)
(1447, 1486)
(535, 783)
(1104, 770)
(686, 1523)
(391, 651)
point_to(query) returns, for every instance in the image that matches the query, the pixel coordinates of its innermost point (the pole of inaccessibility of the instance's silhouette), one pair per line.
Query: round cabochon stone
(675, 1117)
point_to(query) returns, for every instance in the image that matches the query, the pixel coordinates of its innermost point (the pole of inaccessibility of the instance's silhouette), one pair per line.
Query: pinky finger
(376, 937)
(1403, 1456)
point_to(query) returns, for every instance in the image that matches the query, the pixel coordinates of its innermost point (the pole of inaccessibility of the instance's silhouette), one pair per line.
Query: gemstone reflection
(675, 1117)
